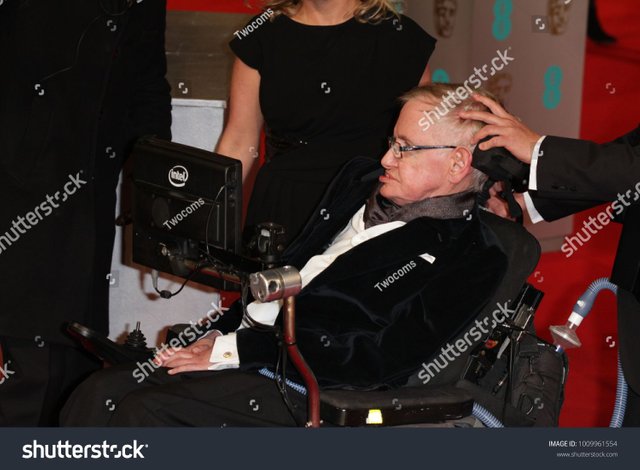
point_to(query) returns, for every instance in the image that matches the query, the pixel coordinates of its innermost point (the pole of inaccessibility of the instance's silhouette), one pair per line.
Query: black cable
(206, 228)
(76, 57)
(281, 380)
(77, 54)
(165, 294)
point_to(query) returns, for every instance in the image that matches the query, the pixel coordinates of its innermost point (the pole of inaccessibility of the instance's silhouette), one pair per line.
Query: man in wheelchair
(396, 262)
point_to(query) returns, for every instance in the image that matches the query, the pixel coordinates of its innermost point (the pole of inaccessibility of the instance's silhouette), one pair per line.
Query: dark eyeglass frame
(397, 149)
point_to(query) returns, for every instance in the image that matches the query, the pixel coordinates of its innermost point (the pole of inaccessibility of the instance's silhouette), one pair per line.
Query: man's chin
(388, 195)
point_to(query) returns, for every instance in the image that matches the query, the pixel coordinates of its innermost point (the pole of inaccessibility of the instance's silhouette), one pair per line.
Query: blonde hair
(368, 11)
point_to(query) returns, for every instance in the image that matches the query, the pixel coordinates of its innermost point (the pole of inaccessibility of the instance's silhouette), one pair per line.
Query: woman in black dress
(322, 77)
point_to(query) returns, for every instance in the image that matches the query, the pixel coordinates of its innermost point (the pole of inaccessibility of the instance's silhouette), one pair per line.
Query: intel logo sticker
(178, 176)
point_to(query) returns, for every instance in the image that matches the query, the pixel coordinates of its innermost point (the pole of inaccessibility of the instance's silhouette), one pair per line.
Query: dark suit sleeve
(150, 113)
(574, 175)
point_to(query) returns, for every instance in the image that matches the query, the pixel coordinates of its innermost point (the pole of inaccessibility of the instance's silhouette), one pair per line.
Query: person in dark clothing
(568, 176)
(381, 283)
(81, 80)
(322, 78)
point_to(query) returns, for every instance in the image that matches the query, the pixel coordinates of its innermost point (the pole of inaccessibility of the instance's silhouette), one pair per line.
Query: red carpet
(222, 6)
(609, 109)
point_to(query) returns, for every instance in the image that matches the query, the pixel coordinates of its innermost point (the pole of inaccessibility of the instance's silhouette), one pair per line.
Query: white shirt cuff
(533, 168)
(225, 353)
(534, 215)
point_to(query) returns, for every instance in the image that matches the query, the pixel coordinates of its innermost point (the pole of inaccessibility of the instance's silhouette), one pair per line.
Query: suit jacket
(575, 175)
(379, 310)
(81, 79)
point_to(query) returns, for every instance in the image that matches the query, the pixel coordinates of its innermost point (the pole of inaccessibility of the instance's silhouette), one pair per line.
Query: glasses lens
(394, 146)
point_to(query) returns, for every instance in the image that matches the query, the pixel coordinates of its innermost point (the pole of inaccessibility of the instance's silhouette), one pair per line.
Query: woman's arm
(426, 76)
(241, 136)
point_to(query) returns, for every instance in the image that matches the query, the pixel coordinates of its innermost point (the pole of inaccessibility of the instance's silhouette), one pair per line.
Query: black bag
(525, 385)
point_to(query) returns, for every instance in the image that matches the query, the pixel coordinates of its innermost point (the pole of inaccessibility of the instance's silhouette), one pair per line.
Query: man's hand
(500, 207)
(190, 359)
(509, 132)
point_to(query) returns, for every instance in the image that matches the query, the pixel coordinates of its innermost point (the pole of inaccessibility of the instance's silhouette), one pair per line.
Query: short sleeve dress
(327, 94)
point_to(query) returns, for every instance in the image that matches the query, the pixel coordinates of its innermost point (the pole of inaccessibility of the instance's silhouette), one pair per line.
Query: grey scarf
(380, 210)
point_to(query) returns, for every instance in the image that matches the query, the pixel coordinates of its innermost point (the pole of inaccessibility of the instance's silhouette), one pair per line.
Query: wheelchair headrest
(500, 165)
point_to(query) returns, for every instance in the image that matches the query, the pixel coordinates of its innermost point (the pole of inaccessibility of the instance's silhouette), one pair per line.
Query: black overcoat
(80, 81)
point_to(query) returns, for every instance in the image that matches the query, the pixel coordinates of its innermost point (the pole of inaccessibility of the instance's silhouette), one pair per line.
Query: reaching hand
(500, 207)
(192, 358)
(509, 132)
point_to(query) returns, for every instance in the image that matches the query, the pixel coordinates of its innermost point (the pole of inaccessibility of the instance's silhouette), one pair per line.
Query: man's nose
(389, 160)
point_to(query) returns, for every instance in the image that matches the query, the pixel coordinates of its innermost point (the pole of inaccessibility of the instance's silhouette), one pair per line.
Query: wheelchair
(510, 377)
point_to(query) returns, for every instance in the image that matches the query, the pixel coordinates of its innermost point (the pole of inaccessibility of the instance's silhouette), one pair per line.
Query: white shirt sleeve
(225, 353)
(533, 183)
(225, 349)
(534, 215)
(533, 168)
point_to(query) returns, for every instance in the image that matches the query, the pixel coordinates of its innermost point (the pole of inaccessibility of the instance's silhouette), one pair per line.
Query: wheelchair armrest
(402, 406)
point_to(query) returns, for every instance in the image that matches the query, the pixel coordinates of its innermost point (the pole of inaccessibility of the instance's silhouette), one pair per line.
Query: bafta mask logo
(558, 16)
(500, 85)
(445, 15)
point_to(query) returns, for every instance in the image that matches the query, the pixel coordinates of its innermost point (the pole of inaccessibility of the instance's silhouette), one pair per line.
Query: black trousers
(40, 379)
(114, 397)
(632, 416)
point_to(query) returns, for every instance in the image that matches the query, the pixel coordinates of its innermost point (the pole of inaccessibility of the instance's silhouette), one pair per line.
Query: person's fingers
(497, 141)
(191, 367)
(492, 105)
(180, 362)
(496, 189)
(486, 131)
(483, 116)
(499, 207)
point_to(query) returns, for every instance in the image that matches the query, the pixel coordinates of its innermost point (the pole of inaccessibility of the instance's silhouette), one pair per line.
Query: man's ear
(460, 164)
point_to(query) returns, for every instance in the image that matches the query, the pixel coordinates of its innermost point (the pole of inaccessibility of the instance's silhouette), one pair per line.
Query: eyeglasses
(397, 149)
